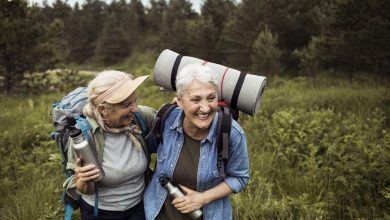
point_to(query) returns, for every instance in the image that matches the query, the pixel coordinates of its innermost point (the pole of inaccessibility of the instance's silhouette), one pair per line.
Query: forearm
(195, 200)
(217, 192)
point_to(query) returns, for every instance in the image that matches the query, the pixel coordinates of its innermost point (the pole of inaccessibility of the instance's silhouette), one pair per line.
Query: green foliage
(26, 44)
(346, 35)
(310, 58)
(354, 35)
(266, 54)
(315, 152)
(52, 81)
(318, 153)
(29, 163)
(114, 44)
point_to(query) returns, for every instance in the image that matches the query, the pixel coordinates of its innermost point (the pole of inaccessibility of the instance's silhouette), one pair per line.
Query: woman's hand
(84, 177)
(195, 200)
(192, 201)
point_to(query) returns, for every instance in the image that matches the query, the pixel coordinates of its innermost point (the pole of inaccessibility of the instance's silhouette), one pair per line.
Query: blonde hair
(101, 83)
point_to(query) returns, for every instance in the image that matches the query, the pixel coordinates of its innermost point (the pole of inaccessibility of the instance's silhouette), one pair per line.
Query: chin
(203, 125)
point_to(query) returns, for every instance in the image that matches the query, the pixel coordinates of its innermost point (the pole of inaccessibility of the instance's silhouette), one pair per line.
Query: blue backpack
(67, 115)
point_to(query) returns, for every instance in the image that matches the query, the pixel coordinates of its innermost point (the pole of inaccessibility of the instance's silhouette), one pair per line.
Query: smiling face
(121, 114)
(199, 102)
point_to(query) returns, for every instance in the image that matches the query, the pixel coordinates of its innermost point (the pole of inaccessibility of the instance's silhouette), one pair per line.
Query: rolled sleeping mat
(239, 90)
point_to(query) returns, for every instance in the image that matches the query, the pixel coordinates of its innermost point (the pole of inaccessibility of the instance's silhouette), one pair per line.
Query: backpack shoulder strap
(86, 129)
(141, 122)
(148, 141)
(158, 124)
(223, 134)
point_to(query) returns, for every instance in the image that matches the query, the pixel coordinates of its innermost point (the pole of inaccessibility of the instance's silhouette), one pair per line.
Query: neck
(195, 133)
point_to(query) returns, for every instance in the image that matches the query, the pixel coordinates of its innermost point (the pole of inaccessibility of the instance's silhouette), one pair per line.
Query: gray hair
(101, 83)
(192, 72)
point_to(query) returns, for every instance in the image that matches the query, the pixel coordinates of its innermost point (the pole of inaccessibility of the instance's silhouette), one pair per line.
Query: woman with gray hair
(187, 155)
(122, 151)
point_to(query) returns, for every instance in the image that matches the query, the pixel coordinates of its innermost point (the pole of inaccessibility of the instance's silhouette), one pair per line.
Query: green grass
(316, 152)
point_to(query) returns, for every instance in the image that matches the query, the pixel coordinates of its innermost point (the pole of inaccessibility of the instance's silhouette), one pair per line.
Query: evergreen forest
(319, 145)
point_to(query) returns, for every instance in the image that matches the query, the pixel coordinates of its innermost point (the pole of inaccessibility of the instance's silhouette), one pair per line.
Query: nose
(133, 107)
(205, 107)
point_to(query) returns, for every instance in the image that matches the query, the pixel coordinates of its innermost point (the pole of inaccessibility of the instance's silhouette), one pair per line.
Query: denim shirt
(236, 168)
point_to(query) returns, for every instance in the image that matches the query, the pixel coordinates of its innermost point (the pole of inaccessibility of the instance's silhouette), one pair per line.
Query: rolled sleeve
(236, 184)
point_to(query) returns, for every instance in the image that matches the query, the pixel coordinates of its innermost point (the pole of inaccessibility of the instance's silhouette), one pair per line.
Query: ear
(102, 110)
(179, 101)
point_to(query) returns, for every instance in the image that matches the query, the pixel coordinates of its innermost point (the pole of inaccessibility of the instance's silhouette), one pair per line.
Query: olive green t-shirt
(185, 174)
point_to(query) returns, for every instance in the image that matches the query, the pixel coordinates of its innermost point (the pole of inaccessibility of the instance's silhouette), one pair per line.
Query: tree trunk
(8, 83)
(8, 78)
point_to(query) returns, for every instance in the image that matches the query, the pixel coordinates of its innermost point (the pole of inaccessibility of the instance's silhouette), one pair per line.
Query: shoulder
(174, 118)
(147, 113)
(237, 134)
(237, 128)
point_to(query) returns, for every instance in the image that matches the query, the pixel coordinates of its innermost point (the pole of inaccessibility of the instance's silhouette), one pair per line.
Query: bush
(315, 153)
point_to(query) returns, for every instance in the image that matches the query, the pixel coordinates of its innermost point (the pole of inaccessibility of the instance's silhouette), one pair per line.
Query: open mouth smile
(202, 117)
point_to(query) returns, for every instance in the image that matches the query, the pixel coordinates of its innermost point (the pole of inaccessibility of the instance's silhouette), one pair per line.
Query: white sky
(196, 4)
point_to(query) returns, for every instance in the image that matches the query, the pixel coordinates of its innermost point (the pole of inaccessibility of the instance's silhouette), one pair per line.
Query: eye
(211, 98)
(127, 104)
(195, 100)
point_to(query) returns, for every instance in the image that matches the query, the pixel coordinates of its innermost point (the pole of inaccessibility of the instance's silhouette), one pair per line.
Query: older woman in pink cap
(121, 150)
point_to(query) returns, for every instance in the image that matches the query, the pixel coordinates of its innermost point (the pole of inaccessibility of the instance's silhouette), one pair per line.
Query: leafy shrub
(315, 153)
(52, 81)
(321, 158)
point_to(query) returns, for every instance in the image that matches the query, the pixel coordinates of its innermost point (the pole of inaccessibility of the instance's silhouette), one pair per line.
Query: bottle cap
(163, 181)
(74, 133)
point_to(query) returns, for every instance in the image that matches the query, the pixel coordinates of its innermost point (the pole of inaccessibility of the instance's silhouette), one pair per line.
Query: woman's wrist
(84, 187)
(205, 199)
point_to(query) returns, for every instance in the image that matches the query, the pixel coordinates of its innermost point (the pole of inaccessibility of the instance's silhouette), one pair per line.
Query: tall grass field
(316, 152)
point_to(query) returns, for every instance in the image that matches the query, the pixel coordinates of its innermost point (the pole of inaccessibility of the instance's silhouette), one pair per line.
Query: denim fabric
(237, 166)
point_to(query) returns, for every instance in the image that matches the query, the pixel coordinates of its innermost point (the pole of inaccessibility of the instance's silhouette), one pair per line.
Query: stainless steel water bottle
(176, 192)
(85, 152)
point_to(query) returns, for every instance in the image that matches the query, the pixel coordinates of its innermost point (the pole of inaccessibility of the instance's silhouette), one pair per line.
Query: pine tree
(292, 20)
(113, 45)
(215, 14)
(356, 35)
(26, 44)
(154, 14)
(218, 11)
(202, 35)
(174, 26)
(74, 35)
(239, 34)
(266, 54)
(92, 17)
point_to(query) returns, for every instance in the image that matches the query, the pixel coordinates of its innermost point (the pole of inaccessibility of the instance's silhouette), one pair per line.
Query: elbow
(237, 184)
